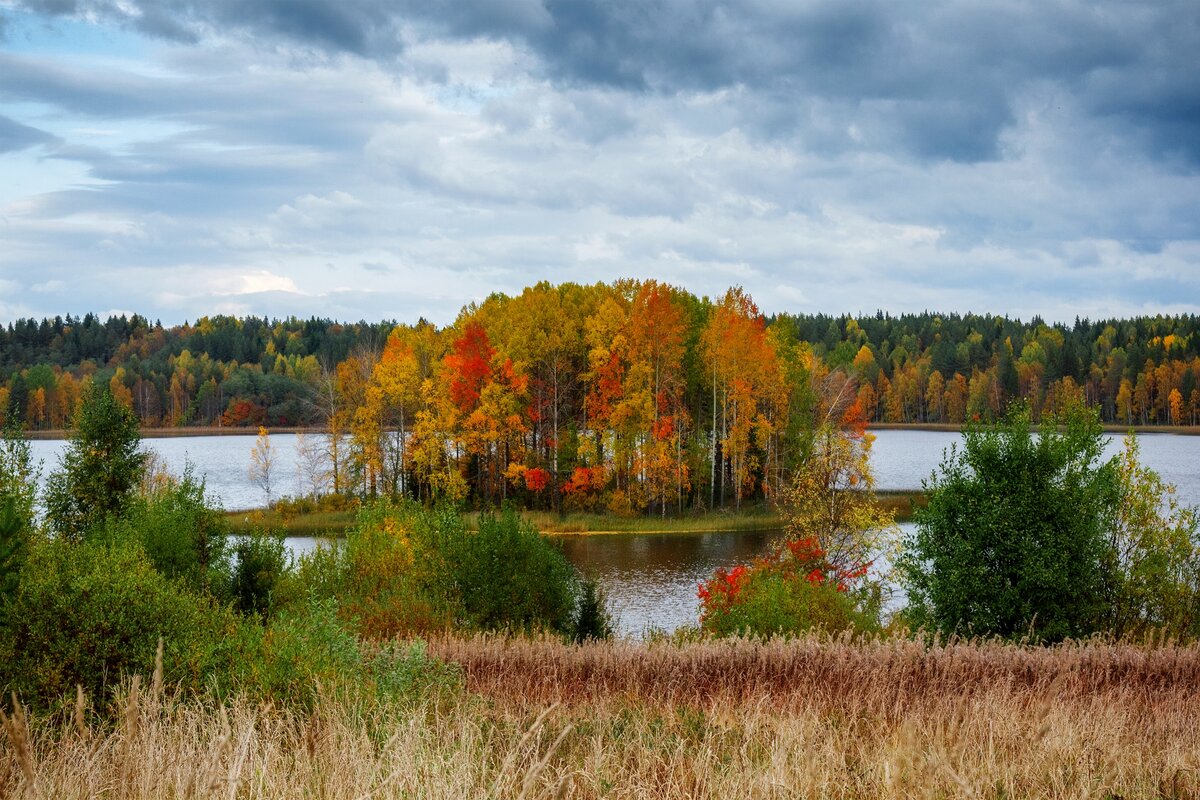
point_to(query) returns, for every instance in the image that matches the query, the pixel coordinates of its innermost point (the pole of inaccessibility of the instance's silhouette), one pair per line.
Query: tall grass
(810, 718)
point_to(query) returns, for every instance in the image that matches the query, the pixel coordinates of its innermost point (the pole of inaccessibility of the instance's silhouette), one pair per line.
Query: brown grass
(540, 719)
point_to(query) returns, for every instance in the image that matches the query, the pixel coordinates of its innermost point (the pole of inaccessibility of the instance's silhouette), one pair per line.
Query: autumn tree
(262, 464)
(744, 370)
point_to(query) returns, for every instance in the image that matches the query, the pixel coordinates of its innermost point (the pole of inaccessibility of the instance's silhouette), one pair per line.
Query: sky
(362, 159)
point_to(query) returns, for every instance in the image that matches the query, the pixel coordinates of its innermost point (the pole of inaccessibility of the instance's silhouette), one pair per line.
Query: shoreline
(180, 433)
(952, 427)
(941, 427)
(335, 524)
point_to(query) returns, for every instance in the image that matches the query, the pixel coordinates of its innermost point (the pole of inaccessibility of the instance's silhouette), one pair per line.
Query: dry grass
(807, 719)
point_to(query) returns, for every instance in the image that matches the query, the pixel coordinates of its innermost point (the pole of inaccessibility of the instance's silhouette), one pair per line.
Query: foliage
(260, 566)
(18, 473)
(14, 547)
(100, 469)
(1012, 539)
(508, 576)
(793, 590)
(312, 651)
(592, 618)
(92, 613)
(1151, 566)
(388, 574)
(405, 570)
(831, 497)
(184, 536)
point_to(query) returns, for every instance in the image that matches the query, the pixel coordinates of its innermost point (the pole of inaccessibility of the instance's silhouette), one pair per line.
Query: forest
(631, 396)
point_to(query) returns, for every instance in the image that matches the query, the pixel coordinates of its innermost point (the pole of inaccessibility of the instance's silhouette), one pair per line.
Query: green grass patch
(319, 523)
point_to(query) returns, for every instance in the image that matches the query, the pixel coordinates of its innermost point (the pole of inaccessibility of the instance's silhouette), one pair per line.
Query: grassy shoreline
(758, 518)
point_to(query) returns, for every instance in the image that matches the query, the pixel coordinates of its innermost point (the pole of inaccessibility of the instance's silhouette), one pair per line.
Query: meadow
(533, 717)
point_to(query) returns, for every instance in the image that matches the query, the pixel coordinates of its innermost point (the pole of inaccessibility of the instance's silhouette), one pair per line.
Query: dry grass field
(809, 718)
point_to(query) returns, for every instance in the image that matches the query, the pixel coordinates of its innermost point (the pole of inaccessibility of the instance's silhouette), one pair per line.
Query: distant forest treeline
(634, 393)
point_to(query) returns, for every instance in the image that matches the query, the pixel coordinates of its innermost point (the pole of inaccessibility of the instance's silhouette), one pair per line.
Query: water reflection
(651, 579)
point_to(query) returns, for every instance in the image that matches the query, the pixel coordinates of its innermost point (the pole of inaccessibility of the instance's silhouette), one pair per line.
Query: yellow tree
(391, 401)
(743, 369)
(831, 500)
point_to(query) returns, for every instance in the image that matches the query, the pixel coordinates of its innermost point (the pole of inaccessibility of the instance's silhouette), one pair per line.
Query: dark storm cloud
(937, 80)
(15, 136)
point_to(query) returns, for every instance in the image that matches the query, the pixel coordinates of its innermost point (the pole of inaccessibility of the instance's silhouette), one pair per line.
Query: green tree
(101, 468)
(1015, 531)
(18, 473)
(1152, 565)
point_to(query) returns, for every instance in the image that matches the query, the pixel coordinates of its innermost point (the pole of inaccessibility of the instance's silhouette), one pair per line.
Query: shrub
(260, 567)
(100, 469)
(389, 573)
(93, 613)
(313, 649)
(184, 536)
(508, 576)
(1151, 565)
(592, 619)
(1012, 539)
(790, 592)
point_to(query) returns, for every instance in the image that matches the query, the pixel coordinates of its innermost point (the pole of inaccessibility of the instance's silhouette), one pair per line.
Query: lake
(650, 579)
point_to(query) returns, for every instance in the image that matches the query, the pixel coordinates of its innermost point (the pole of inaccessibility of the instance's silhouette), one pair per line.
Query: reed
(808, 718)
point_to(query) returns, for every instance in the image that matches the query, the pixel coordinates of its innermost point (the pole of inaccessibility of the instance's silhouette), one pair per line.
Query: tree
(100, 469)
(1152, 565)
(1013, 536)
(18, 473)
(262, 463)
(831, 499)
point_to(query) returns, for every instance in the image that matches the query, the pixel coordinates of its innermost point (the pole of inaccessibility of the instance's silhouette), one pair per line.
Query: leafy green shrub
(388, 574)
(312, 649)
(185, 537)
(404, 570)
(1012, 539)
(508, 576)
(100, 469)
(592, 619)
(771, 603)
(791, 591)
(260, 566)
(93, 613)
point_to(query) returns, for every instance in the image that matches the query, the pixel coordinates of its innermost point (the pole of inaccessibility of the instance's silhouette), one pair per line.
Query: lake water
(651, 579)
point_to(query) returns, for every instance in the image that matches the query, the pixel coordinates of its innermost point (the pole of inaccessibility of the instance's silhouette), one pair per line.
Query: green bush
(508, 576)
(771, 603)
(93, 613)
(100, 469)
(389, 574)
(312, 649)
(184, 536)
(260, 567)
(404, 570)
(592, 618)
(1012, 539)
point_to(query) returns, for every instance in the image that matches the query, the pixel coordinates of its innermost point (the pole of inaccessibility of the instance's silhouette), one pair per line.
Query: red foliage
(584, 479)
(794, 560)
(470, 364)
(242, 412)
(536, 479)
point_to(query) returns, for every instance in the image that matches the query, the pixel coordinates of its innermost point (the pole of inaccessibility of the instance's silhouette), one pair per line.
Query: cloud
(398, 160)
(939, 79)
(15, 136)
